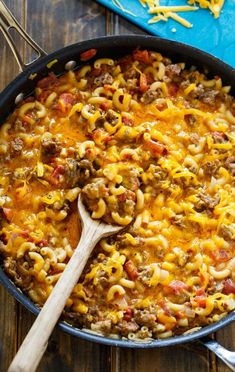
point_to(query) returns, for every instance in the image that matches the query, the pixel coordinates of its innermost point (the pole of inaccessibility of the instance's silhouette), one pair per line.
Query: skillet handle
(7, 21)
(227, 356)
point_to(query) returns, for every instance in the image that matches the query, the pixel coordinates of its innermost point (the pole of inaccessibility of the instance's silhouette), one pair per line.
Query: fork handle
(35, 343)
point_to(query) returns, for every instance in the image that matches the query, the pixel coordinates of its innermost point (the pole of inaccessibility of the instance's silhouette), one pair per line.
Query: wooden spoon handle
(35, 343)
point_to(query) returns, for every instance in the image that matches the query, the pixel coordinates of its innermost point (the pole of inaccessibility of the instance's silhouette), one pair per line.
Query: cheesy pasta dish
(150, 145)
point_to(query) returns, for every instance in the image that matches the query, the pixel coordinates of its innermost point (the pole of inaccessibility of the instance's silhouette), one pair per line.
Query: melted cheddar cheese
(150, 145)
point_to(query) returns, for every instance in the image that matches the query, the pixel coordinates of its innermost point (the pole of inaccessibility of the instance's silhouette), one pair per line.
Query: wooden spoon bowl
(35, 343)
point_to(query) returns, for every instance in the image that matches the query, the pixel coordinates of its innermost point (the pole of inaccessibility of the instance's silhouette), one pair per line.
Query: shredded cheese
(163, 13)
(51, 63)
(179, 19)
(156, 9)
(118, 4)
(215, 6)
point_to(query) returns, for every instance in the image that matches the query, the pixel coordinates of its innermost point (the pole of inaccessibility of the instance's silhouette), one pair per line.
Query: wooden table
(54, 24)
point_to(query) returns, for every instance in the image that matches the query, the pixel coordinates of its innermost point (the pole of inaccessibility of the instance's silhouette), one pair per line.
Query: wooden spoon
(35, 343)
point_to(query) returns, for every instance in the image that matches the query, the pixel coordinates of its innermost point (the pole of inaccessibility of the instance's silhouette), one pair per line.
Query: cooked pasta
(150, 145)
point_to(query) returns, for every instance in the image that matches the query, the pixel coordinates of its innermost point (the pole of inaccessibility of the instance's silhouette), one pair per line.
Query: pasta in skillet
(150, 145)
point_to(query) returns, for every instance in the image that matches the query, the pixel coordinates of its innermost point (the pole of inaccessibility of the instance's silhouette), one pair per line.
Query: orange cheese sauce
(150, 145)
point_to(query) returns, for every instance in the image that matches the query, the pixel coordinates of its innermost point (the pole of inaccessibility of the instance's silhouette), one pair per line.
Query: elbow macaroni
(150, 145)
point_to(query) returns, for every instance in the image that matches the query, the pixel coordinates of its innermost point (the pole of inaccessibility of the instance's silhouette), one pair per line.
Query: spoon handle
(35, 343)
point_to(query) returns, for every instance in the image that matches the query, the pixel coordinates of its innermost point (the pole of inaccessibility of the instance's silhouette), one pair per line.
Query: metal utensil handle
(227, 356)
(7, 21)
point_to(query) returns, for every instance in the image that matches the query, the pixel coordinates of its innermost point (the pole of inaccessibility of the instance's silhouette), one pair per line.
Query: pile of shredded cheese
(215, 6)
(163, 13)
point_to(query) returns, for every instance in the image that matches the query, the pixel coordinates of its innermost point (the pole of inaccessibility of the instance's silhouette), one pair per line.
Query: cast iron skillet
(69, 57)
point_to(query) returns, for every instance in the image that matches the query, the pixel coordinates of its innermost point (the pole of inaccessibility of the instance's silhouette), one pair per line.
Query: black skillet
(69, 57)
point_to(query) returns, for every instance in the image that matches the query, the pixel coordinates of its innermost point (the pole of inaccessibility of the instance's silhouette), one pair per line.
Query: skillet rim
(111, 42)
(125, 343)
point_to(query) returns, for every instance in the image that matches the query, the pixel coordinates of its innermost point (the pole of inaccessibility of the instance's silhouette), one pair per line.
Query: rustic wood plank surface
(8, 306)
(54, 24)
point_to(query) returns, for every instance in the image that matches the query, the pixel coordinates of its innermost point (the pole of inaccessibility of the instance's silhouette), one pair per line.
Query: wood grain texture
(66, 353)
(173, 359)
(54, 24)
(8, 328)
(8, 306)
(226, 337)
(9, 71)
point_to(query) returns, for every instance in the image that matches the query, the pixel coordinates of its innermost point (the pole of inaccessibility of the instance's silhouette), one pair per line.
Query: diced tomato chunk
(177, 286)
(128, 314)
(156, 148)
(221, 255)
(104, 106)
(173, 89)
(24, 234)
(143, 56)
(150, 78)
(131, 270)
(48, 81)
(65, 102)
(201, 300)
(43, 243)
(96, 71)
(163, 304)
(200, 292)
(43, 96)
(229, 286)
(127, 195)
(143, 83)
(88, 54)
(68, 98)
(127, 121)
(27, 119)
(180, 314)
(200, 297)
(59, 169)
(122, 198)
(109, 88)
(107, 138)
